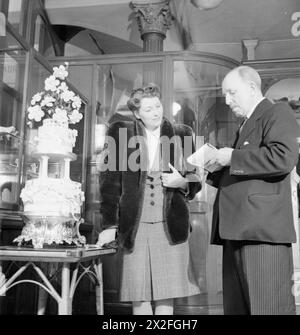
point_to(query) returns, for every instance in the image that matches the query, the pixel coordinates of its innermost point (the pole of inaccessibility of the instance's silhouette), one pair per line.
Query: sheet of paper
(202, 157)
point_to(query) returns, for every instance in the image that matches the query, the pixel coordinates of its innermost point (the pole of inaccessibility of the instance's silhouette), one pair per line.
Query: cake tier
(52, 197)
(55, 137)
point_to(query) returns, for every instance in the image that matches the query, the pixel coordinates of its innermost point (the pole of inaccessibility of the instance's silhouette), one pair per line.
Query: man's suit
(253, 205)
(254, 196)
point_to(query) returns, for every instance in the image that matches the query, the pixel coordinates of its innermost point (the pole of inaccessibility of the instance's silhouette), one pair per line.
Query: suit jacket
(253, 201)
(122, 190)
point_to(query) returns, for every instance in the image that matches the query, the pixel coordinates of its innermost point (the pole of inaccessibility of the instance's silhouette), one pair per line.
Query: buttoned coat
(253, 202)
(122, 190)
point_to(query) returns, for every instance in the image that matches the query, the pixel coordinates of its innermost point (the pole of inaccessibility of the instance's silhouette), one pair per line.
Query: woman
(148, 204)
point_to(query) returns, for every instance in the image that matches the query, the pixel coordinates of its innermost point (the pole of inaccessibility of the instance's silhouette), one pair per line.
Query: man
(253, 216)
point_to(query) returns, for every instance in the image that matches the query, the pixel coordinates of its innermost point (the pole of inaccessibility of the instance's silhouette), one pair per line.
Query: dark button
(152, 203)
(150, 178)
(152, 186)
(152, 195)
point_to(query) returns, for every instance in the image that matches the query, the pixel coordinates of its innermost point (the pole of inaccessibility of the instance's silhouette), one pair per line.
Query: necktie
(238, 132)
(242, 125)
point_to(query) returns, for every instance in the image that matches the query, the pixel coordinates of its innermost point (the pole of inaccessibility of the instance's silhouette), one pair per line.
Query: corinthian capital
(152, 16)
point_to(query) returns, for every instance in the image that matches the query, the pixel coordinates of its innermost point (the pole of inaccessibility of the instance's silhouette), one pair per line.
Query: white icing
(55, 137)
(52, 197)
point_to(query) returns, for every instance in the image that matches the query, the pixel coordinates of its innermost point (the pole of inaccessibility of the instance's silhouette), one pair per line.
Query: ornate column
(154, 19)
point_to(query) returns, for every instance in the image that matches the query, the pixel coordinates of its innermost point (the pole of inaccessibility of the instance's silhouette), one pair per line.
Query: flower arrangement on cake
(56, 101)
(51, 111)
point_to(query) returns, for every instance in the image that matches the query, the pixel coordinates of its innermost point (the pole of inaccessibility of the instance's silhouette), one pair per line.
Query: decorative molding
(153, 17)
(276, 69)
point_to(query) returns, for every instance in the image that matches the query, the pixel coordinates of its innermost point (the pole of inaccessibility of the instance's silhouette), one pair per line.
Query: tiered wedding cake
(52, 206)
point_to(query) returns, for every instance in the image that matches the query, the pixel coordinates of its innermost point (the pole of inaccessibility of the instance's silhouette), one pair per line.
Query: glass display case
(38, 73)
(23, 74)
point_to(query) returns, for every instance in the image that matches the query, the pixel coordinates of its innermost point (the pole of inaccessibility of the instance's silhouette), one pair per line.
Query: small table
(31, 257)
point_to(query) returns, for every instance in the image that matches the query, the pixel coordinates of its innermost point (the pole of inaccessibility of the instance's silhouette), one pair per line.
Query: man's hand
(222, 157)
(106, 236)
(173, 179)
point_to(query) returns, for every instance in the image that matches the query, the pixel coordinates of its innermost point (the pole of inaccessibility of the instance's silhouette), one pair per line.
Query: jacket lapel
(140, 134)
(168, 132)
(250, 124)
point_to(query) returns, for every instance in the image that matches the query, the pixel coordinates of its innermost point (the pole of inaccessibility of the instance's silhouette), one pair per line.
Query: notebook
(202, 157)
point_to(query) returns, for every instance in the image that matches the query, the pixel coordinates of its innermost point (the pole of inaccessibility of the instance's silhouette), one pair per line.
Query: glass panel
(38, 74)
(9, 43)
(12, 69)
(198, 102)
(76, 166)
(200, 105)
(14, 13)
(114, 86)
(80, 76)
(42, 39)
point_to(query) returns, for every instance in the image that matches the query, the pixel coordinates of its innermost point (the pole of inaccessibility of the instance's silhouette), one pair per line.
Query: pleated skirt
(156, 269)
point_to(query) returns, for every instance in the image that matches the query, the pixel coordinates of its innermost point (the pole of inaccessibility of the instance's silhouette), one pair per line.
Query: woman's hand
(106, 236)
(174, 179)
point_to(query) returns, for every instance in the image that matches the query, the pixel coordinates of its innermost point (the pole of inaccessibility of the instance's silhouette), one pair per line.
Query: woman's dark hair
(148, 91)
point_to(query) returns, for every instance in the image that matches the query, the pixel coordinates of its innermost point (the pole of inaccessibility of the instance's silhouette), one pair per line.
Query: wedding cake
(52, 204)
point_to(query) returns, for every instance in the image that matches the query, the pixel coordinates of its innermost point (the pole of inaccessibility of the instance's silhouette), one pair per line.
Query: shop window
(14, 13)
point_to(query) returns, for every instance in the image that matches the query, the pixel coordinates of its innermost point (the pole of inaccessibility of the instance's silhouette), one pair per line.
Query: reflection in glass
(42, 39)
(197, 89)
(12, 69)
(116, 83)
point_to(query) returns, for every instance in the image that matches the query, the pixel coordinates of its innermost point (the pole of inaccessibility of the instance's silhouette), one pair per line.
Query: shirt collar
(154, 133)
(253, 108)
